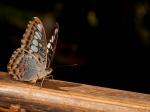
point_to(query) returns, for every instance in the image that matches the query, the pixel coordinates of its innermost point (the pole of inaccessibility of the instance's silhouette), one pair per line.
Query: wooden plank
(63, 96)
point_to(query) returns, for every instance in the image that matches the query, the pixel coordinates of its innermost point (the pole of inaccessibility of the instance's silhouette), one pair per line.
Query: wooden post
(61, 96)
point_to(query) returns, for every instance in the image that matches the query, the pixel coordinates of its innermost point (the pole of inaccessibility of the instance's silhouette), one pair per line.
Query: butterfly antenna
(60, 66)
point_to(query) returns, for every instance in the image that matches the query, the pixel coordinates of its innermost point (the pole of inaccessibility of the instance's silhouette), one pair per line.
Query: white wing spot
(35, 42)
(40, 44)
(34, 48)
(56, 30)
(47, 50)
(48, 45)
(51, 47)
(52, 39)
(37, 34)
(39, 27)
(36, 37)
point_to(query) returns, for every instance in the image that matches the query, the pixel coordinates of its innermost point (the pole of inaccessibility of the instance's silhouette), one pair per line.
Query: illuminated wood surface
(61, 96)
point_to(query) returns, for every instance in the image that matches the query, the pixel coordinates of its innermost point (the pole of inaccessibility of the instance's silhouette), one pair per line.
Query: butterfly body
(30, 61)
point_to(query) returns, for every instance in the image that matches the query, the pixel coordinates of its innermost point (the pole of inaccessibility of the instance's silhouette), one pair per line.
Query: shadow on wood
(61, 96)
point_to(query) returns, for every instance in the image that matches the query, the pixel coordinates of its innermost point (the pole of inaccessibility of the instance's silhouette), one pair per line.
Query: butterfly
(32, 61)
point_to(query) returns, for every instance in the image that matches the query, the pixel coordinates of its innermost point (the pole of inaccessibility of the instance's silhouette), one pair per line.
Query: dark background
(108, 40)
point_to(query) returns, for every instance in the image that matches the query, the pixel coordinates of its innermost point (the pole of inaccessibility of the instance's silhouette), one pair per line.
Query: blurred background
(108, 40)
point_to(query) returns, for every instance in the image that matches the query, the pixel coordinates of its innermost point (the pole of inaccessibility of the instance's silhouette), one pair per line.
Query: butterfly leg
(42, 82)
(49, 76)
(46, 78)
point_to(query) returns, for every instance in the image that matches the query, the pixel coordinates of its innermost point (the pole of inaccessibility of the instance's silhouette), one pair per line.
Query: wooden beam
(62, 96)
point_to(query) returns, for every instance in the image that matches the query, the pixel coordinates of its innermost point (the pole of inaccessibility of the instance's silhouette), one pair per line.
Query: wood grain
(62, 96)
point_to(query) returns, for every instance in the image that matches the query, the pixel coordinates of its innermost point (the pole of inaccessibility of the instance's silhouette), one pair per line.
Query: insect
(32, 61)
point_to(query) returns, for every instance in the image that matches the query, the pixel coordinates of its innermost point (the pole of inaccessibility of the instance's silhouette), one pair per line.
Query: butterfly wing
(52, 42)
(34, 40)
(28, 62)
(24, 66)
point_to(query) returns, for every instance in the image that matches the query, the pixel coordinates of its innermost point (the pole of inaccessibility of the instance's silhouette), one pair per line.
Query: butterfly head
(49, 71)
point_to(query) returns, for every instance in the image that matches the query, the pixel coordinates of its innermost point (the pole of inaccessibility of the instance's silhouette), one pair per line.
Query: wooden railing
(61, 96)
